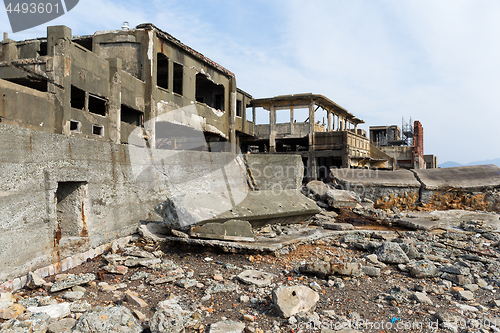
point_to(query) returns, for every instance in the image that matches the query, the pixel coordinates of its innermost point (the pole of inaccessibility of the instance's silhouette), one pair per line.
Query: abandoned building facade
(70, 105)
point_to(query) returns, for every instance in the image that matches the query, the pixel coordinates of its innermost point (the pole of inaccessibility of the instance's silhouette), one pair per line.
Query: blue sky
(434, 61)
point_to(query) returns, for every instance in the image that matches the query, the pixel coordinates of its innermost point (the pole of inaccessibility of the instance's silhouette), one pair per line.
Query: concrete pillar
(311, 125)
(114, 103)
(272, 129)
(329, 115)
(58, 43)
(253, 115)
(9, 49)
(232, 114)
(291, 121)
(150, 91)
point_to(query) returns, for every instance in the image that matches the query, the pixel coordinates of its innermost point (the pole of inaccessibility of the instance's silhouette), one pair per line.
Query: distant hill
(451, 164)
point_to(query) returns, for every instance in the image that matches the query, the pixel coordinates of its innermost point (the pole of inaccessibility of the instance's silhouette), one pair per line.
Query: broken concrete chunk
(145, 262)
(71, 281)
(371, 271)
(116, 269)
(323, 269)
(291, 300)
(318, 189)
(167, 320)
(422, 269)
(55, 311)
(61, 326)
(227, 326)
(73, 295)
(133, 299)
(109, 319)
(422, 297)
(11, 312)
(136, 252)
(260, 279)
(34, 281)
(179, 234)
(465, 295)
(391, 253)
(337, 226)
(222, 288)
(342, 199)
(233, 230)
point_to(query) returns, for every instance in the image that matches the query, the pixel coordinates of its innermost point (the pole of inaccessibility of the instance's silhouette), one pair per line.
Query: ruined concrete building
(405, 146)
(77, 112)
(338, 143)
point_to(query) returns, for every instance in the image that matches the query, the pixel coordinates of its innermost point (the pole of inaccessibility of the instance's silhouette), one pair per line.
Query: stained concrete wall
(33, 166)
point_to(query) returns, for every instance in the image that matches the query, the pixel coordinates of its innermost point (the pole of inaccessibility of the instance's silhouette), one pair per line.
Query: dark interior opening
(43, 49)
(238, 108)
(77, 98)
(40, 85)
(97, 105)
(131, 116)
(98, 130)
(84, 42)
(74, 126)
(162, 71)
(178, 78)
(209, 93)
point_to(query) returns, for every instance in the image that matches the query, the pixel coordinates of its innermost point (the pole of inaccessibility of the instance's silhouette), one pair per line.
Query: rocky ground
(368, 277)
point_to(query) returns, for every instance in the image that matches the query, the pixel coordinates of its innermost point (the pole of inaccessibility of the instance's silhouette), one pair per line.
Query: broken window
(43, 49)
(178, 78)
(97, 105)
(77, 98)
(249, 114)
(209, 93)
(40, 85)
(162, 71)
(75, 126)
(84, 42)
(98, 130)
(238, 108)
(131, 116)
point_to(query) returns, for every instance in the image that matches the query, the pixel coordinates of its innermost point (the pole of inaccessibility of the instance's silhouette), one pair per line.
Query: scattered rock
(465, 295)
(423, 298)
(422, 269)
(34, 281)
(71, 281)
(371, 271)
(260, 279)
(62, 326)
(324, 269)
(55, 311)
(107, 320)
(391, 253)
(294, 299)
(73, 295)
(227, 326)
(167, 320)
(133, 299)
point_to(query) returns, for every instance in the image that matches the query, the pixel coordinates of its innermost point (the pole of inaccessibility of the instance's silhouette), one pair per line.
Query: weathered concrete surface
(386, 189)
(276, 172)
(473, 187)
(36, 170)
(234, 230)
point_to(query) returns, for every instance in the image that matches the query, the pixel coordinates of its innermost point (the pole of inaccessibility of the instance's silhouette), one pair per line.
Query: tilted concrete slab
(472, 178)
(365, 177)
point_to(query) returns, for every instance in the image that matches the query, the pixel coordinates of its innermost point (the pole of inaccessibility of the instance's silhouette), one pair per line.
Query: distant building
(406, 146)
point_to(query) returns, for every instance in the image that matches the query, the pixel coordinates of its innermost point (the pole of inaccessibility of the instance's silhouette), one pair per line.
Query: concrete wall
(61, 195)
(276, 172)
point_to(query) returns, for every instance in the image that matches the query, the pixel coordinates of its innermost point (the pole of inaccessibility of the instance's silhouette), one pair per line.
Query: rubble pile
(440, 279)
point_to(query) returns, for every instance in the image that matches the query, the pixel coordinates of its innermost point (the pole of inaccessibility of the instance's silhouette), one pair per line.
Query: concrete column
(58, 44)
(356, 128)
(150, 91)
(311, 125)
(272, 129)
(244, 115)
(114, 104)
(232, 114)
(329, 115)
(9, 49)
(253, 115)
(291, 121)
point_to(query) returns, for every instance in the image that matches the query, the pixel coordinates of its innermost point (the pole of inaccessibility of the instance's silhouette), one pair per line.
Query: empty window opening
(77, 98)
(43, 49)
(131, 116)
(97, 105)
(209, 93)
(178, 78)
(162, 71)
(249, 114)
(70, 206)
(84, 42)
(98, 130)
(75, 126)
(40, 85)
(238, 108)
